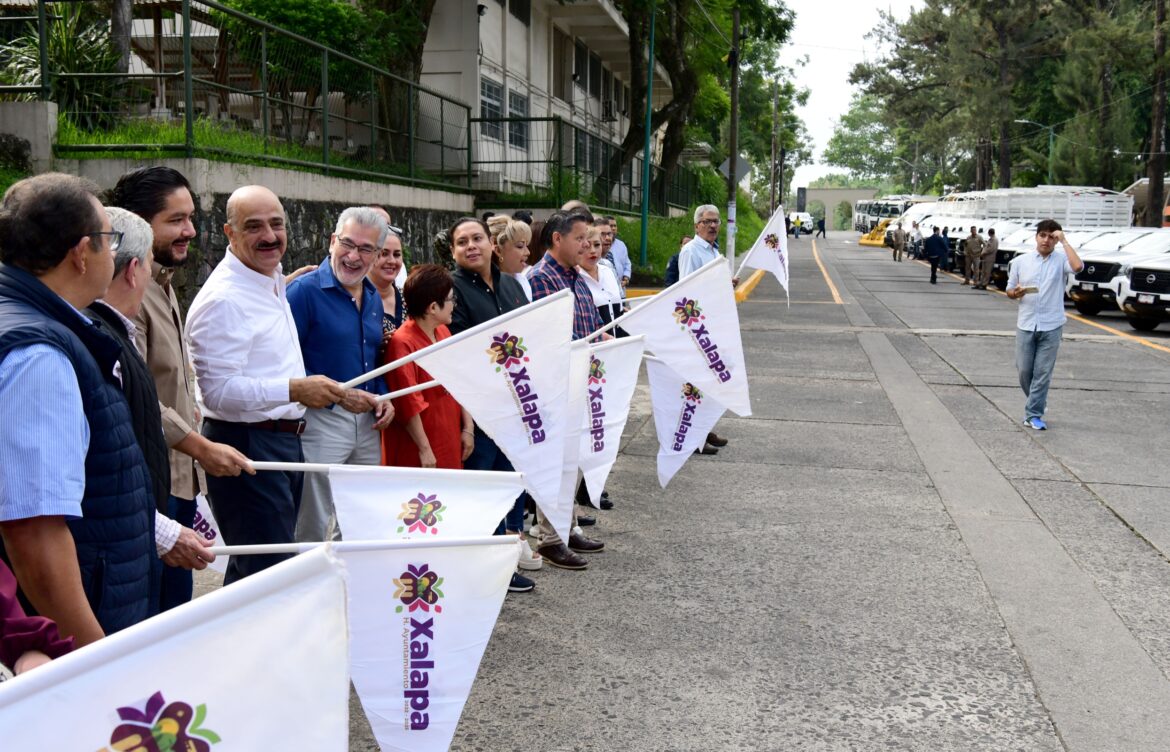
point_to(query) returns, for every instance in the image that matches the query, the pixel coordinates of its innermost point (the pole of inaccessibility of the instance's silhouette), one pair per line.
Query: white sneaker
(529, 560)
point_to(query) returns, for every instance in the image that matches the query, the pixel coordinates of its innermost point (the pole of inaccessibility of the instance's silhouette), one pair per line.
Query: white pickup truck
(1096, 286)
(1144, 296)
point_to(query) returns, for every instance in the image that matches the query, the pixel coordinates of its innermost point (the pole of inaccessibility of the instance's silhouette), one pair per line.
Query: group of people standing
(107, 449)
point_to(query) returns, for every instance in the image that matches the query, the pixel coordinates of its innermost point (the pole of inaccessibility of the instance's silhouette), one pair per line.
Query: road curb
(745, 289)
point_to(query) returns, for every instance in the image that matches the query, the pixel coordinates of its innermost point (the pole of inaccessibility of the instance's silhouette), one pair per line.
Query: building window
(491, 105)
(595, 76)
(581, 64)
(521, 10)
(562, 58)
(518, 131)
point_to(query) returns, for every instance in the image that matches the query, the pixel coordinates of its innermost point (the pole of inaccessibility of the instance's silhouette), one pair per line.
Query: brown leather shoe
(716, 440)
(559, 555)
(707, 449)
(583, 545)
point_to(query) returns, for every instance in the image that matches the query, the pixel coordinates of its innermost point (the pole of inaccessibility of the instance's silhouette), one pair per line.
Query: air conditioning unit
(609, 111)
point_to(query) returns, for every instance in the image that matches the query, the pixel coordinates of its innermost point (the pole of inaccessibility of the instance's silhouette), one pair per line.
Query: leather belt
(282, 426)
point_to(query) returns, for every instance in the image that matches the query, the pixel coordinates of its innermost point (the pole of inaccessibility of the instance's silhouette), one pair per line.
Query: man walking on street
(936, 252)
(972, 251)
(821, 229)
(1037, 280)
(987, 260)
(899, 242)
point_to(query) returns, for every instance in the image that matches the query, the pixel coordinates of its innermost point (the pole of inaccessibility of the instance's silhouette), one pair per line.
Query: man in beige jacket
(972, 251)
(162, 196)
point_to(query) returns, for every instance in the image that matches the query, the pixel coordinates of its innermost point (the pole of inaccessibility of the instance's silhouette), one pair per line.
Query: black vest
(145, 414)
(115, 534)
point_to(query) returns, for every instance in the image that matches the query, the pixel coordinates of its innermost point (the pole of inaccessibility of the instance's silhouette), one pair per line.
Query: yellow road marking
(745, 288)
(825, 273)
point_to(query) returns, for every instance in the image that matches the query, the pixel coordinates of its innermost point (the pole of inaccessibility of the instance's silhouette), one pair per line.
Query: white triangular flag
(613, 375)
(693, 326)
(421, 614)
(511, 374)
(770, 251)
(683, 415)
(389, 503)
(578, 378)
(262, 664)
(206, 527)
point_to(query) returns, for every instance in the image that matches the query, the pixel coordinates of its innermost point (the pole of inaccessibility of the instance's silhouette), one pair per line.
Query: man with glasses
(693, 256)
(339, 324)
(77, 517)
(1038, 280)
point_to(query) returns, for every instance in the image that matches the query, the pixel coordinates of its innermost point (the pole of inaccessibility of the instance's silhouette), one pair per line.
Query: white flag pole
(359, 545)
(406, 391)
(472, 332)
(317, 467)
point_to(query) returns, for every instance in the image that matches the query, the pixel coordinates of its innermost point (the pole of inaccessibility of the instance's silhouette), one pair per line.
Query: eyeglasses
(349, 245)
(114, 236)
(709, 222)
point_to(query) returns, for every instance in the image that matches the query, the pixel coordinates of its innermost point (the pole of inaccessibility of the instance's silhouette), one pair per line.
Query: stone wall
(312, 202)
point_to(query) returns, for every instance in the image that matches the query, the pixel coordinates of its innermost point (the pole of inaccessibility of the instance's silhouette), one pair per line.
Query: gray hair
(137, 238)
(364, 216)
(703, 210)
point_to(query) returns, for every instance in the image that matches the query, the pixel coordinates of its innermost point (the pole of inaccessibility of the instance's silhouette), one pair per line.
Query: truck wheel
(1143, 325)
(1089, 309)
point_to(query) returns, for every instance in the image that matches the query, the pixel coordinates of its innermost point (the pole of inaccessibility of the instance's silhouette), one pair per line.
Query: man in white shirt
(1037, 280)
(251, 376)
(693, 256)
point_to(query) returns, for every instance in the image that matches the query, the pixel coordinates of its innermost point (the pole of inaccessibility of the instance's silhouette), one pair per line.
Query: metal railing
(207, 80)
(534, 161)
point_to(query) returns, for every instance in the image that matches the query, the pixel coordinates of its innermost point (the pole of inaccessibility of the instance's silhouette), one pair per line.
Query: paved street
(883, 558)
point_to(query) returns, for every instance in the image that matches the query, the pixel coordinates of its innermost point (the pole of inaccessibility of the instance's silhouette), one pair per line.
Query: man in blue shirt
(1038, 280)
(76, 512)
(339, 324)
(935, 248)
(616, 250)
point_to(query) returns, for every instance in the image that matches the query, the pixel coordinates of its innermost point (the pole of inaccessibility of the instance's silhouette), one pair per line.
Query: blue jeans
(1035, 359)
(487, 456)
(177, 582)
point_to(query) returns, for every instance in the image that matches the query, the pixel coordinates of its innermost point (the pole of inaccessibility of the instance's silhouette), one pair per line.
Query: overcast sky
(831, 33)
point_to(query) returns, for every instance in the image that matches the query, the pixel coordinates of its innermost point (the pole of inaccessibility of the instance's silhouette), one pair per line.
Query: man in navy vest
(76, 513)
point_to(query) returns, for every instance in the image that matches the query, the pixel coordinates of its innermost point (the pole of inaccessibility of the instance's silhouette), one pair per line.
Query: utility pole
(1156, 165)
(733, 139)
(646, 141)
(775, 104)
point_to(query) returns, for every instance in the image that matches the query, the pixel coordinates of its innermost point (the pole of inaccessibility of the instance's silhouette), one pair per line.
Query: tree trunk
(1005, 142)
(1156, 165)
(121, 19)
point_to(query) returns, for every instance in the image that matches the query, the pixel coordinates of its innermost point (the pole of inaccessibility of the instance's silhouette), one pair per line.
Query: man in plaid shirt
(565, 235)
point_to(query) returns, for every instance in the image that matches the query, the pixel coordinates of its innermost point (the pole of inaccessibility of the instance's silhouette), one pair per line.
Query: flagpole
(358, 545)
(473, 331)
(319, 467)
(407, 390)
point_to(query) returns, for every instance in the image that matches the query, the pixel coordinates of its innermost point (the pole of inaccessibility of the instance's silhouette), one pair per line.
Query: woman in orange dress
(430, 429)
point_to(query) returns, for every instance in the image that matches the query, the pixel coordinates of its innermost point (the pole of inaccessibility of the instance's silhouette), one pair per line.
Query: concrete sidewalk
(881, 559)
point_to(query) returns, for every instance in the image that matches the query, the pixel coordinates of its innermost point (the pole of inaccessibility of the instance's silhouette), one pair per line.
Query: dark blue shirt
(936, 247)
(336, 339)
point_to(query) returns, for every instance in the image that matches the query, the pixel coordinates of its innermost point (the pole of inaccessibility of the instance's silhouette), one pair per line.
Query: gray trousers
(334, 437)
(987, 265)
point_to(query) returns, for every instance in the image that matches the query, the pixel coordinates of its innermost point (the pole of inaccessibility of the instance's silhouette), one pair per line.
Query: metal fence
(547, 161)
(206, 80)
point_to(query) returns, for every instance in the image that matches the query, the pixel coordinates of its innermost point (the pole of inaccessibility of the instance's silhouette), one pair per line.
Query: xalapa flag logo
(422, 514)
(506, 351)
(691, 393)
(596, 370)
(687, 312)
(162, 727)
(418, 589)
(772, 240)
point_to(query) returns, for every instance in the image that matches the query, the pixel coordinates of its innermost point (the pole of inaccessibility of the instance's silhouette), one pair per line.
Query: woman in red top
(430, 429)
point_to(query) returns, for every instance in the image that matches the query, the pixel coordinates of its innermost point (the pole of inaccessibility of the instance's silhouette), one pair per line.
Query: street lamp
(913, 174)
(1051, 137)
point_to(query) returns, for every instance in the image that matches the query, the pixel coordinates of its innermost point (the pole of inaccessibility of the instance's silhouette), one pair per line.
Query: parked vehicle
(1144, 295)
(1098, 285)
(808, 225)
